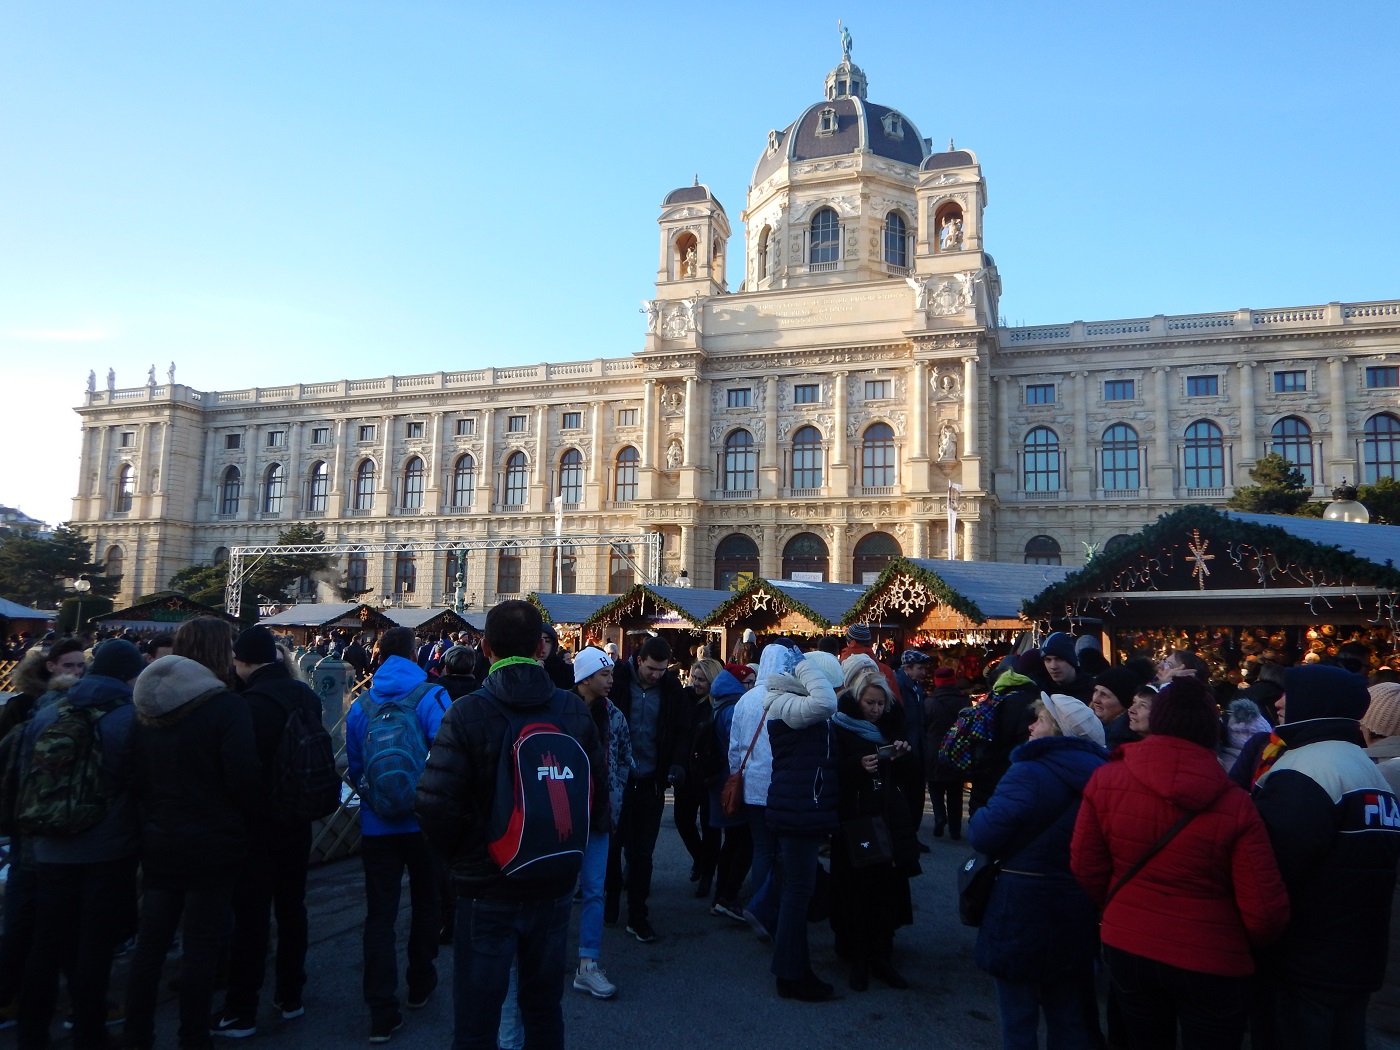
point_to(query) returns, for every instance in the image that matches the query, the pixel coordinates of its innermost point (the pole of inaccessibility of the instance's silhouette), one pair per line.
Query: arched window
(806, 553)
(508, 570)
(318, 488)
(413, 484)
(126, 487)
(357, 572)
(364, 485)
(765, 239)
(405, 574)
(220, 555)
(620, 574)
(1121, 458)
(877, 464)
(896, 240)
(871, 556)
(112, 564)
(740, 462)
(517, 480)
(1042, 550)
(274, 488)
(453, 564)
(564, 575)
(625, 476)
(1040, 461)
(735, 554)
(807, 458)
(571, 476)
(1292, 439)
(1204, 456)
(1381, 447)
(464, 482)
(825, 250)
(1116, 543)
(231, 491)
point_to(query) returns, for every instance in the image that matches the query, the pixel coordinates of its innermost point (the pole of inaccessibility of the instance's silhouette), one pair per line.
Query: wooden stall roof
(429, 620)
(14, 611)
(955, 595)
(795, 605)
(326, 615)
(569, 609)
(1204, 565)
(161, 611)
(684, 607)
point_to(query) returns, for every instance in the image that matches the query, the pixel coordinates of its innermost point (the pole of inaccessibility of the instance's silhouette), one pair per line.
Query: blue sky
(299, 191)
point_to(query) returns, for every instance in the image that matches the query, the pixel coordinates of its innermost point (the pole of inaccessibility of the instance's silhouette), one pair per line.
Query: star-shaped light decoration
(1198, 554)
(759, 600)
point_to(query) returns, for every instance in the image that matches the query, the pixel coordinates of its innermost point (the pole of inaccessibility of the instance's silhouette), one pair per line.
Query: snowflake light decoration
(1198, 554)
(907, 595)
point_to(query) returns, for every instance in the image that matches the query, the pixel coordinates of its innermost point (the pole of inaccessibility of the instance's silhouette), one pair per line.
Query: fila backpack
(538, 827)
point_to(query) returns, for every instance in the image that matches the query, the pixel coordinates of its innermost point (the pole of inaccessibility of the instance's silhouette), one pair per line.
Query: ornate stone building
(815, 421)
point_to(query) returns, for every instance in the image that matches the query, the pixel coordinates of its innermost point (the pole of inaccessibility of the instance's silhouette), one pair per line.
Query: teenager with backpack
(518, 756)
(387, 734)
(75, 807)
(299, 784)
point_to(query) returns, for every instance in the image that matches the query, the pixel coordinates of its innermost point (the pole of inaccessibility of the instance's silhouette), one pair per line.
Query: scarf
(860, 727)
(1273, 750)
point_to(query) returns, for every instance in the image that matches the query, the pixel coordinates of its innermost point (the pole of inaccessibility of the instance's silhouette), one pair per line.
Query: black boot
(860, 975)
(885, 971)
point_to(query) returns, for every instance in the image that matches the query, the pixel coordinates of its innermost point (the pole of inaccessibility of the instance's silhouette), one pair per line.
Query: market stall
(569, 612)
(15, 619)
(431, 623)
(304, 622)
(1230, 585)
(791, 608)
(678, 614)
(162, 613)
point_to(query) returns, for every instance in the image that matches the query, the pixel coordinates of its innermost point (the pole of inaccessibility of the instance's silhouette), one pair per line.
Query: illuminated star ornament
(1198, 554)
(760, 600)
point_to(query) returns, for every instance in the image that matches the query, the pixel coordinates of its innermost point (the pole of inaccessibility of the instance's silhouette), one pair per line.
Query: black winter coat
(673, 730)
(272, 694)
(458, 786)
(941, 708)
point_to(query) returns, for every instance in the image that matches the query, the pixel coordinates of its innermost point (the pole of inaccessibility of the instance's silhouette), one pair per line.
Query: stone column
(486, 472)
(337, 468)
(211, 483)
(691, 437)
(1082, 480)
(99, 485)
(1342, 462)
(1163, 469)
(384, 498)
(295, 481)
(1001, 423)
(839, 484)
(595, 427)
(970, 422)
(687, 552)
(770, 467)
(540, 483)
(145, 457)
(251, 487)
(646, 474)
(1249, 425)
(432, 498)
(769, 565)
(840, 565)
(919, 399)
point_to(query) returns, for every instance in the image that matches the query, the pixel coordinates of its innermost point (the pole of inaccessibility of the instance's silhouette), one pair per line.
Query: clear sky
(271, 192)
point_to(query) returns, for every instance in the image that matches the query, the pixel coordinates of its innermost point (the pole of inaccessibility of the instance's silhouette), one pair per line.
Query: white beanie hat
(1075, 717)
(589, 662)
(828, 665)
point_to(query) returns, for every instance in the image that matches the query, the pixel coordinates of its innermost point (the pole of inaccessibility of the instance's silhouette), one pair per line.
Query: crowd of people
(1230, 868)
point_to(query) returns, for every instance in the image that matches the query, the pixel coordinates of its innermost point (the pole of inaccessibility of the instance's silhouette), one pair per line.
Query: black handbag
(868, 841)
(978, 875)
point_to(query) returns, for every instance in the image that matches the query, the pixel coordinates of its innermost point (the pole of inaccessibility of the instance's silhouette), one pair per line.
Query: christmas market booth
(966, 611)
(569, 612)
(431, 623)
(159, 613)
(795, 609)
(16, 619)
(1230, 585)
(303, 622)
(678, 614)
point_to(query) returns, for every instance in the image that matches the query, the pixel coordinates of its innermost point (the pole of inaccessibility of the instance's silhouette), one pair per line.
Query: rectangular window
(233, 441)
(877, 389)
(415, 429)
(128, 438)
(740, 397)
(276, 438)
(1119, 390)
(515, 424)
(321, 436)
(627, 417)
(466, 427)
(572, 421)
(1382, 376)
(1202, 386)
(1290, 382)
(1040, 394)
(806, 394)
(367, 432)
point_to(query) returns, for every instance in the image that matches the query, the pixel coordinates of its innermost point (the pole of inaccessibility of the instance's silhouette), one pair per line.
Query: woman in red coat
(1178, 935)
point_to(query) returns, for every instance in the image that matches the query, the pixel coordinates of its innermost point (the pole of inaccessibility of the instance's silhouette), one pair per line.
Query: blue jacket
(1040, 924)
(803, 795)
(396, 678)
(725, 691)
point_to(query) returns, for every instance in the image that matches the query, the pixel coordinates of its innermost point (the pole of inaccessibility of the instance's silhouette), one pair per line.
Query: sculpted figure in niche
(947, 441)
(673, 456)
(688, 261)
(950, 235)
(920, 286)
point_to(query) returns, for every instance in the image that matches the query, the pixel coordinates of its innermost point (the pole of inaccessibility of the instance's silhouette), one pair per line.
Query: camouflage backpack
(65, 791)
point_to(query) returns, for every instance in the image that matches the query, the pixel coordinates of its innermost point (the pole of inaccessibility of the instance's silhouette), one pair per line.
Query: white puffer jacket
(802, 698)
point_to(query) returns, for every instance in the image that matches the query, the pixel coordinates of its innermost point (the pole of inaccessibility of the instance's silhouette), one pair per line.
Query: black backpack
(305, 782)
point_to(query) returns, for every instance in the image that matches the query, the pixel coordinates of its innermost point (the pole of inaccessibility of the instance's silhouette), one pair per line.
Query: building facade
(815, 421)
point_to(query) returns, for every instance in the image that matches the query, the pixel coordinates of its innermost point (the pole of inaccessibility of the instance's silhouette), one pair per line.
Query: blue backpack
(395, 752)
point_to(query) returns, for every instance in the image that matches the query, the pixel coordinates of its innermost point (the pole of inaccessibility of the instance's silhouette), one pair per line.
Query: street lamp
(81, 586)
(1344, 506)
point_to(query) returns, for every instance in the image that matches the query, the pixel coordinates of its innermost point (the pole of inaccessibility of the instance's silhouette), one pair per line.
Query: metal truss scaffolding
(242, 560)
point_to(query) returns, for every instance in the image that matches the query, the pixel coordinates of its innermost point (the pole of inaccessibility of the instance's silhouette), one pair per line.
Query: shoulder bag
(731, 796)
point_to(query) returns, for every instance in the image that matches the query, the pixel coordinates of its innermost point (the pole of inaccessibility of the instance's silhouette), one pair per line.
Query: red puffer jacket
(1212, 893)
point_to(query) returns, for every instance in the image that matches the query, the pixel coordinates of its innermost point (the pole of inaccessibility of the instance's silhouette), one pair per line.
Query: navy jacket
(803, 795)
(1040, 924)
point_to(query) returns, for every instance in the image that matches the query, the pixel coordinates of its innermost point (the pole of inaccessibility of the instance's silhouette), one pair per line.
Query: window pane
(740, 462)
(320, 488)
(233, 490)
(1121, 458)
(571, 476)
(517, 480)
(464, 482)
(1119, 390)
(625, 479)
(508, 571)
(1384, 376)
(1042, 550)
(1382, 447)
(1202, 386)
(1292, 439)
(1290, 382)
(806, 394)
(1204, 456)
(826, 237)
(276, 489)
(1041, 461)
(807, 459)
(413, 484)
(364, 486)
(877, 458)
(896, 248)
(1040, 394)
(740, 397)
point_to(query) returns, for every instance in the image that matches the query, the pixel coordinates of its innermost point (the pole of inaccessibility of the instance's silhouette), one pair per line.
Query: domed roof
(958, 158)
(844, 123)
(690, 195)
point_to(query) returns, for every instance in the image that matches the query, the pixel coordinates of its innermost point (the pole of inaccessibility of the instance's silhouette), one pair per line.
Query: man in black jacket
(500, 918)
(650, 697)
(275, 876)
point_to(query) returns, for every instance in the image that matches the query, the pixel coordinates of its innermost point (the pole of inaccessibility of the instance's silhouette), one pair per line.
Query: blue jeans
(511, 1033)
(1021, 1004)
(797, 870)
(489, 935)
(763, 900)
(590, 919)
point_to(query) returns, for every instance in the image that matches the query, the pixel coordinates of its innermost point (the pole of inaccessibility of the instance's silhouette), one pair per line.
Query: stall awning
(935, 594)
(329, 615)
(14, 611)
(569, 608)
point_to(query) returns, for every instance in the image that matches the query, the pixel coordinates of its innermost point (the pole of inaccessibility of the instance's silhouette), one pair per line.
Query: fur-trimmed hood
(165, 689)
(29, 677)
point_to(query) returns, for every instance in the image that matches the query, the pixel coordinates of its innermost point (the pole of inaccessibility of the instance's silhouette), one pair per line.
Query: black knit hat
(256, 645)
(1061, 645)
(117, 658)
(1185, 709)
(1318, 691)
(1121, 682)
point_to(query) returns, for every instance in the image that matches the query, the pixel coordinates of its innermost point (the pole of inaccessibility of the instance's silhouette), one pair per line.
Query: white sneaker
(594, 981)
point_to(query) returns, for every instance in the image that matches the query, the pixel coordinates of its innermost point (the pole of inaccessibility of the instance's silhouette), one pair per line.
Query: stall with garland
(568, 613)
(159, 613)
(304, 622)
(431, 623)
(678, 614)
(798, 609)
(1231, 586)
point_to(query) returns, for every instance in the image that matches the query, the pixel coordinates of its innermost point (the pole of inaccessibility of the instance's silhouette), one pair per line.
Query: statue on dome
(845, 40)
(950, 236)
